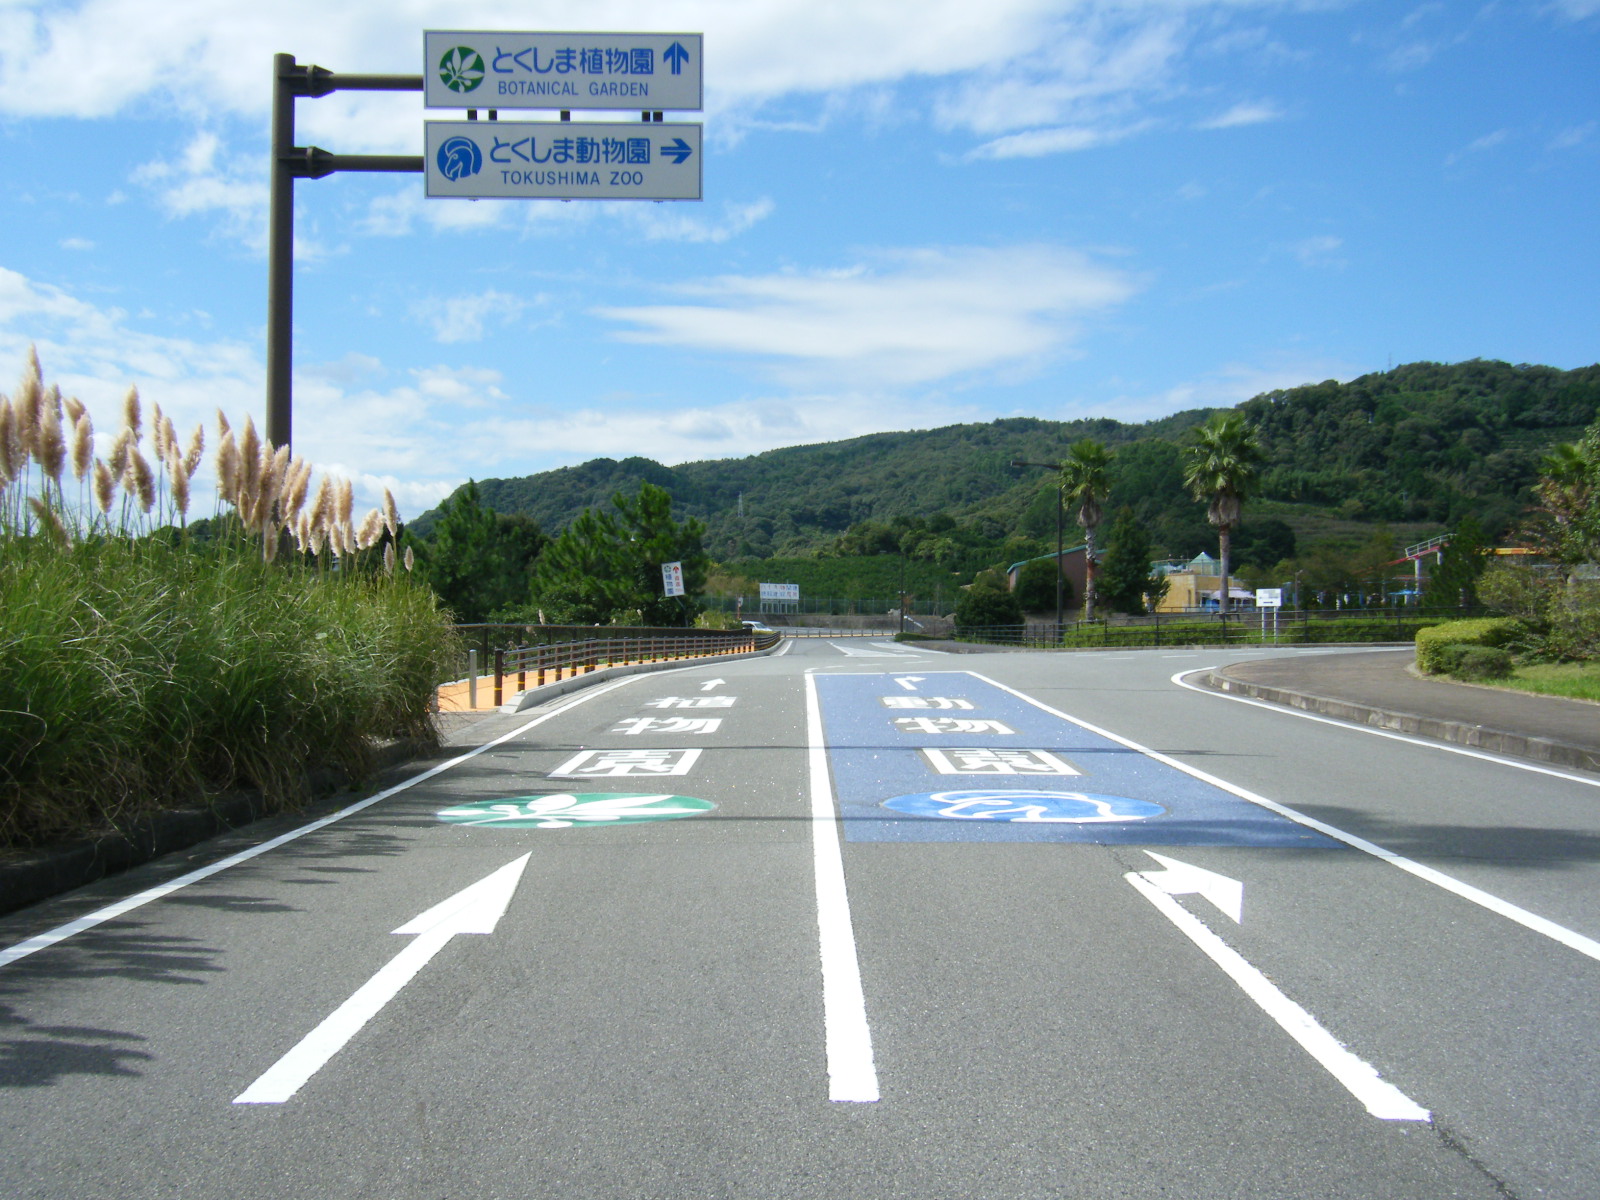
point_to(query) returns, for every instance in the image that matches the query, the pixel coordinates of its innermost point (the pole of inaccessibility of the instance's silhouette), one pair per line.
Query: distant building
(1196, 586)
(1073, 566)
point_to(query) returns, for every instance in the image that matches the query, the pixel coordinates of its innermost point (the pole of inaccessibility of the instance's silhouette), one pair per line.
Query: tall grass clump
(144, 667)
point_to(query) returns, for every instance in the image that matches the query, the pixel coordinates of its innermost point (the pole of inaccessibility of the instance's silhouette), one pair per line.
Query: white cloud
(76, 243)
(1574, 135)
(1322, 250)
(1244, 113)
(1039, 142)
(1487, 142)
(1223, 387)
(1576, 10)
(905, 318)
(465, 318)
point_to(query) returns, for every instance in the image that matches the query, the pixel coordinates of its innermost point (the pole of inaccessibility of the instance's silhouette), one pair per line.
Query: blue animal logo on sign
(460, 158)
(1025, 807)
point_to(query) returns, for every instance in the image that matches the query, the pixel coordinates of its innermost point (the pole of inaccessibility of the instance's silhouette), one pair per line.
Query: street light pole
(1060, 547)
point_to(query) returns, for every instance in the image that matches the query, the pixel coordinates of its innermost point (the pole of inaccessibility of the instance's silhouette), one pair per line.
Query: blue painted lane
(944, 756)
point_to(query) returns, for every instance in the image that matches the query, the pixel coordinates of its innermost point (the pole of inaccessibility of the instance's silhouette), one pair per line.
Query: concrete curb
(38, 875)
(1479, 737)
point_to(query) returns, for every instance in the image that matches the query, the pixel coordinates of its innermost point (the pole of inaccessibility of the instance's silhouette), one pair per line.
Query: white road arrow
(712, 684)
(1182, 879)
(474, 909)
(909, 682)
(1380, 1098)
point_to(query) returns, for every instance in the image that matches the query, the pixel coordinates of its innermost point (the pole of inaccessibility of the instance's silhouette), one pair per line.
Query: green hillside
(1416, 447)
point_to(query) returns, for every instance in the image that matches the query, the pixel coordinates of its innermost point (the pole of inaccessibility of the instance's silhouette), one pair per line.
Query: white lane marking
(1181, 679)
(1361, 1079)
(788, 645)
(909, 682)
(477, 908)
(852, 1075)
(61, 932)
(1528, 920)
(1184, 879)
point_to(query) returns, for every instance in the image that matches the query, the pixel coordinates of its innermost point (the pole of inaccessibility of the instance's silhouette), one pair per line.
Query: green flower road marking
(563, 810)
(461, 69)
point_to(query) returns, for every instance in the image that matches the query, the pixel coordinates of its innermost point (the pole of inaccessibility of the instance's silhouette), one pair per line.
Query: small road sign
(639, 71)
(562, 160)
(1269, 597)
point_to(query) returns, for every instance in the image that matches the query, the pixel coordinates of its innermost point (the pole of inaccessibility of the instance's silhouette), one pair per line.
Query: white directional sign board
(1269, 597)
(562, 160)
(639, 71)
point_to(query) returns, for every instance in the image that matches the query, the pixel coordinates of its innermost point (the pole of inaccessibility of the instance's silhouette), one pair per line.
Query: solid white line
(61, 932)
(852, 1076)
(1528, 920)
(1359, 1077)
(286, 1076)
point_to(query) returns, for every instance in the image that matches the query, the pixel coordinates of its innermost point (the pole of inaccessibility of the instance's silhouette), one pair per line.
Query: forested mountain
(1421, 443)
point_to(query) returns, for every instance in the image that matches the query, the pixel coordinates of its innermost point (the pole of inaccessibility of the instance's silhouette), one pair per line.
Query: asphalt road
(680, 974)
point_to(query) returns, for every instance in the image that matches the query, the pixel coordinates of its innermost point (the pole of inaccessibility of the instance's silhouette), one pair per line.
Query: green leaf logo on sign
(461, 69)
(564, 810)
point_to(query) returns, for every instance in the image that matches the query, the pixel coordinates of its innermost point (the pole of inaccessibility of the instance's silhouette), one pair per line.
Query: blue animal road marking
(1044, 779)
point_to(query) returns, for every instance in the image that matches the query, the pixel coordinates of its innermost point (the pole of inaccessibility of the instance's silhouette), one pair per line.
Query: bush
(1461, 661)
(982, 607)
(1481, 631)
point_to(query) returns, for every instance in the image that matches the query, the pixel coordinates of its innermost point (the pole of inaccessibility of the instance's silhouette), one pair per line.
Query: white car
(758, 627)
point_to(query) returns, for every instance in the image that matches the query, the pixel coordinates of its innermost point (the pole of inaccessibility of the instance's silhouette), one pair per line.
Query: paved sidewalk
(1374, 687)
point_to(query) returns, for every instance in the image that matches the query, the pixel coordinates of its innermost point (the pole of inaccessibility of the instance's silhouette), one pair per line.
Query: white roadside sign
(672, 578)
(486, 69)
(1269, 597)
(562, 160)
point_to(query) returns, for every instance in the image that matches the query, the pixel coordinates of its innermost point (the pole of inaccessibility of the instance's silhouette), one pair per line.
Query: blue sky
(915, 214)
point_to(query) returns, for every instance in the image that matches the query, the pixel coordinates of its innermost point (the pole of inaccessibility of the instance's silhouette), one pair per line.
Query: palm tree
(1085, 482)
(1220, 468)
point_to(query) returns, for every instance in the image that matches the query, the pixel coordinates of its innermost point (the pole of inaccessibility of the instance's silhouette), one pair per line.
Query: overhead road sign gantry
(562, 160)
(488, 69)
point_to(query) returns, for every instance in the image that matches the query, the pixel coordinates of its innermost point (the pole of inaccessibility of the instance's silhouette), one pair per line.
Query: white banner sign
(780, 591)
(672, 578)
(639, 71)
(1269, 597)
(561, 160)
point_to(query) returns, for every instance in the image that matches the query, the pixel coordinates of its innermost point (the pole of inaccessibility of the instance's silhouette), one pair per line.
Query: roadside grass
(142, 669)
(1575, 681)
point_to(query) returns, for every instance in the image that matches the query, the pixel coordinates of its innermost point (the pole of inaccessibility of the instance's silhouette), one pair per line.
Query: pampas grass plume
(105, 486)
(388, 558)
(410, 559)
(371, 530)
(197, 448)
(391, 514)
(144, 479)
(131, 416)
(82, 443)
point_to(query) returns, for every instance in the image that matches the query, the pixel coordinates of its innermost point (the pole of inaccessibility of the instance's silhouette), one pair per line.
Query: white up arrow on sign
(474, 909)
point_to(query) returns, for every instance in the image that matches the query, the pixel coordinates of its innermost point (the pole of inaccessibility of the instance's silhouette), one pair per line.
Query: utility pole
(290, 82)
(1060, 547)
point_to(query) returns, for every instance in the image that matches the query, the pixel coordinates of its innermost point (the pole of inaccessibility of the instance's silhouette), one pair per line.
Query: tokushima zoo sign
(562, 160)
(639, 71)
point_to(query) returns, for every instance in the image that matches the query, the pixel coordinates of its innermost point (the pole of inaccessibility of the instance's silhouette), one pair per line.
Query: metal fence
(1287, 627)
(543, 654)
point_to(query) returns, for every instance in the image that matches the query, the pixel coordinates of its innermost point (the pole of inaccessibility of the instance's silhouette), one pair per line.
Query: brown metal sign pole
(290, 81)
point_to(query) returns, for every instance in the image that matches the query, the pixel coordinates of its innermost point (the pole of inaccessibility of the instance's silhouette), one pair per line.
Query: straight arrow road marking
(1360, 1078)
(475, 909)
(909, 682)
(712, 684)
